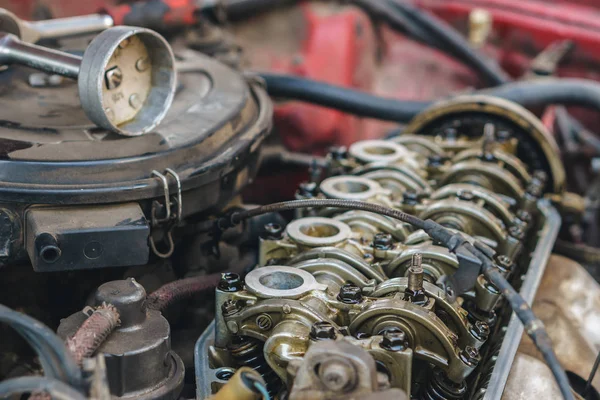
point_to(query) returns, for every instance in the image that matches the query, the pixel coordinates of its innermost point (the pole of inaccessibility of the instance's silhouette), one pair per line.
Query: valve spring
(440, 387)
(487, 367)
(249, 352)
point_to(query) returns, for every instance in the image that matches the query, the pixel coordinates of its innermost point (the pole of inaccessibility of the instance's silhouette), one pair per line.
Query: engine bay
(163, 238)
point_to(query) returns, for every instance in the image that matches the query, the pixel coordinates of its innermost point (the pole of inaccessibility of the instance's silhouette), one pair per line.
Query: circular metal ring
(369, 151)
(280, 282)
(318, 231)
(349, 187)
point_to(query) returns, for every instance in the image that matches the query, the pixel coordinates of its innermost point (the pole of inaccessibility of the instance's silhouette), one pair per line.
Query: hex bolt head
(524, 216)
(481, 330)
(394, 339)
(470, 355)
(410, 198)
(350, 294)
(322, 330)
(382, 241)
(338, 152)
(504, 262)
(337, 375)
(272, 231)
(230, 282)
(308, 189)
(435, 160)
(516, 232)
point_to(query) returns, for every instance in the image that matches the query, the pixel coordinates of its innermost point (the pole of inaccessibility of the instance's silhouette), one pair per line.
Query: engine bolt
(516, 232)
(382, 241)
(504, 263)
(272, 231)
(394, 339)
(230, 282)
(410, 198)
(308, 189)
(230, 307)
(524, 216)
(322, 331)
(338, 152)
(466, 195)
(470, 356)
(264, 322)
(414, 291)
(481, 330)
(350, 294)
(435, 160)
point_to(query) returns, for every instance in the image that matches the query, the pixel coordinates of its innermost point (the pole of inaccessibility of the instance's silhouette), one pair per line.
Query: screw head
(350, 294)
(504, 262)
(322, 331)
(272, 231)
(230, 282)
(113, 78)
(382, 241)
(470, 355)
(394, 339)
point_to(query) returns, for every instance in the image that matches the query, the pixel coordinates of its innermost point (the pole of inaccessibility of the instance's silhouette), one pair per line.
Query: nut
(230, 307)
(272, 231)
(230, 282)
(410, 198)
(394, 339)
(382, 241)
(481, 330)
(322, 331)
(470, 356)
(350, 294)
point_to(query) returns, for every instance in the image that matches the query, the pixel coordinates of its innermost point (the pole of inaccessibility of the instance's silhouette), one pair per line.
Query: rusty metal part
(336, 370)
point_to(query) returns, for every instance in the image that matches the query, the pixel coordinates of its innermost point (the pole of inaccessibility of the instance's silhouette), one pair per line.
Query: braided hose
(181, 289)
(93, 332)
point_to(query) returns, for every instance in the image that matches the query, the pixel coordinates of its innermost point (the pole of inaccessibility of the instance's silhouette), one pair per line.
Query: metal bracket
(170, 219)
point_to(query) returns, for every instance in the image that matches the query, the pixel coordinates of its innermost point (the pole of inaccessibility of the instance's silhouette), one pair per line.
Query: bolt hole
(224, 374)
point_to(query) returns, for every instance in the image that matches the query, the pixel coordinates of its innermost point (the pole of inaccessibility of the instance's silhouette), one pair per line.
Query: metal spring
(440, 388)
(487, 367)
(249, 352)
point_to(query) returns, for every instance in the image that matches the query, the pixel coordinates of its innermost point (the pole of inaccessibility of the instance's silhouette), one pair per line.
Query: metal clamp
(170, 219)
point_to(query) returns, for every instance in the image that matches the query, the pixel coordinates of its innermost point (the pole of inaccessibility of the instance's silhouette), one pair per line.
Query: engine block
(375, 284)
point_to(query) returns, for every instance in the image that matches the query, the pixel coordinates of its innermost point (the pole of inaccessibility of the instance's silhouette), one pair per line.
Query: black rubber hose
(450, 41)
(340, 98)
(29, 384)
(543, 92)
(56, 360)
(533, 326)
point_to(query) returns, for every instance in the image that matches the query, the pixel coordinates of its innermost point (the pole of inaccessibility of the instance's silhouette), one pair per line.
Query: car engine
(136, 263)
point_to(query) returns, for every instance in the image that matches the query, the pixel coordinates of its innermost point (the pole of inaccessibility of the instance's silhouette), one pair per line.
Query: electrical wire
(56, 360)
(28, 384)
(533, 326)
